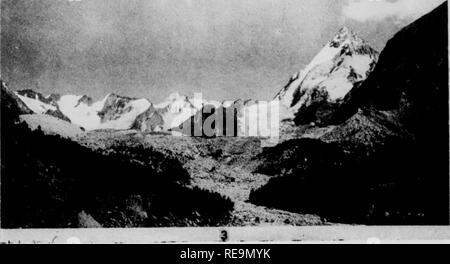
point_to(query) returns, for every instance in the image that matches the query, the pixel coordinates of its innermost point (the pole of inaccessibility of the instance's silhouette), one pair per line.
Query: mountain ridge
(389, 139)
(311, 95)
(318, 88)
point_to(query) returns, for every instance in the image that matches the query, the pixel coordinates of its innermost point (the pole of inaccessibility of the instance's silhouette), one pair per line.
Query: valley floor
(221, 165)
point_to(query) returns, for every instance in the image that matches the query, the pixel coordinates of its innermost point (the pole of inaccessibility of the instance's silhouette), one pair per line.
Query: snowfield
(36, 105)
(52, 126)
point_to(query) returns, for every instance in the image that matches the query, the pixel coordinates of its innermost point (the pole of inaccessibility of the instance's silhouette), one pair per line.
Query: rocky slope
(390, 161)
(51, 125)
(12, 102)
(220, 165)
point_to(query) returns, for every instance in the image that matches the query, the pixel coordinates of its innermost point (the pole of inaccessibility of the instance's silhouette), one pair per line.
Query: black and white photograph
(224, 120)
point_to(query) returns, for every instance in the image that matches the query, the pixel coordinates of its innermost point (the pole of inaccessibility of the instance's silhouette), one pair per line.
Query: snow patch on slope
(81, 113)
(52, 126)
(87, 115)
(36, 105)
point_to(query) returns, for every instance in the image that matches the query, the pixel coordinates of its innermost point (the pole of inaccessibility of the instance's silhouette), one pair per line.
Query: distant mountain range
(310, 96)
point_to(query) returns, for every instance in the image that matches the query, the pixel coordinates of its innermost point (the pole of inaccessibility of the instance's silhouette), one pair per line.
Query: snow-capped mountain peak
(111, 112)
(331, 74)
(119, 112)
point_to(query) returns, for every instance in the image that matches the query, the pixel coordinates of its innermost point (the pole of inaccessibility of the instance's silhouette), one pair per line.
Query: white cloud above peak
(376, 10)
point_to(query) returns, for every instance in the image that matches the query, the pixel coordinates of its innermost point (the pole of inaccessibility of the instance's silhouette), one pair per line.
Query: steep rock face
(391, 133)
(35, 95)
(120, 112)
(314, 94)
(53, 97)
(411, 82)
(113, 107)
(85, 100)
(58, 114)
(149, 121)
(366, 131)
(11, 103)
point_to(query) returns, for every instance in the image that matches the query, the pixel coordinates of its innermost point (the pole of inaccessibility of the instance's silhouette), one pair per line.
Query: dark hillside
(51, 182)
(392, 131)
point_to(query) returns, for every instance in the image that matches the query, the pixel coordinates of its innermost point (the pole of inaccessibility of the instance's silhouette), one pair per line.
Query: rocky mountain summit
(313, 94)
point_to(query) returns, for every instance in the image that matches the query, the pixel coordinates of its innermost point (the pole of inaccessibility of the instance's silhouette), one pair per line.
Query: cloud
(376, 10)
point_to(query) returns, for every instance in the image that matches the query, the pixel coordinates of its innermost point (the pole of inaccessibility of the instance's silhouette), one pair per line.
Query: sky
(225, 49)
